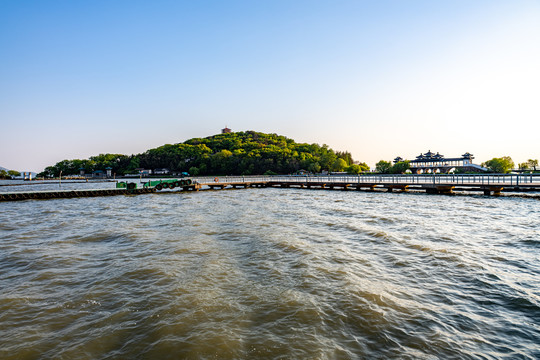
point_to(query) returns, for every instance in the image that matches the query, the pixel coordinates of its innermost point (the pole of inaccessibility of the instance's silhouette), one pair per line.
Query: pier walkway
(431, 184)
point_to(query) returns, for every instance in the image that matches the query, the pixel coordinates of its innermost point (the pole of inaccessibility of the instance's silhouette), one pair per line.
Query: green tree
(314, 167)
(400, 167)
(363, 166)
(345, 155)
(533, 163)
(500, 165)
(13, 173)
(383, 167)
(357, 168)
(236, 153)
(339, 165)
(220, 162)
(353, 169)
(134, 163)
(523, 166)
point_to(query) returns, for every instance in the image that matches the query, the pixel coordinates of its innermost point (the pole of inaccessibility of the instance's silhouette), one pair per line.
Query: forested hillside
(238, 153)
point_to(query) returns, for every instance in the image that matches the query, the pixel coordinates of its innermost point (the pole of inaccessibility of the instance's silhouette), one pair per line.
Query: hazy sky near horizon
(376, 78)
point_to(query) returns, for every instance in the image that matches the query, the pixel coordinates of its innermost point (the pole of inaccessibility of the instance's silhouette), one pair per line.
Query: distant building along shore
(430, 163)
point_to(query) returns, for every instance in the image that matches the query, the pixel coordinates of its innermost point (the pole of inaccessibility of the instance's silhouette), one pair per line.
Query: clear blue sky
(376, 78)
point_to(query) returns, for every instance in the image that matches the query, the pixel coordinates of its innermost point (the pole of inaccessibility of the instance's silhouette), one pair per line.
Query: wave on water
(270, 274)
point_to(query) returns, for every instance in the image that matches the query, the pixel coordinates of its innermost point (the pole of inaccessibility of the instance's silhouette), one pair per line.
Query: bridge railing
(386, 179)
(231, 179)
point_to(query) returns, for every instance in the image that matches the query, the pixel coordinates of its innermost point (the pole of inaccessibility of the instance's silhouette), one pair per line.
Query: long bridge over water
(494, 184)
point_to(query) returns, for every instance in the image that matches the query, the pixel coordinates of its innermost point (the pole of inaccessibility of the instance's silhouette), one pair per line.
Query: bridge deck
(432, 184)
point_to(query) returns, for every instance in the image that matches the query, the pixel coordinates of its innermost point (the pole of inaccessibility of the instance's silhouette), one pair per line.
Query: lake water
(270, 274)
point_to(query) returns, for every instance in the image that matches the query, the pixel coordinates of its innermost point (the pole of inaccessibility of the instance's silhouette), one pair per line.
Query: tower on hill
(226, 130)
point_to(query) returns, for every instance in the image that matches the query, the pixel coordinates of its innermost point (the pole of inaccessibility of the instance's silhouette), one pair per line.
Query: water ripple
(270, 274)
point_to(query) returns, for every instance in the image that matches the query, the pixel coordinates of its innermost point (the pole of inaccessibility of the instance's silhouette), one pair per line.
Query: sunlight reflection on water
(270, 273)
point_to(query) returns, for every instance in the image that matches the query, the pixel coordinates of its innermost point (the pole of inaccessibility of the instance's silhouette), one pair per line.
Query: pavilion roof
(436, 157)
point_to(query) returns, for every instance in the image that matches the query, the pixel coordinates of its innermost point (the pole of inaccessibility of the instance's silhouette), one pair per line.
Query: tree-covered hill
(238, 153)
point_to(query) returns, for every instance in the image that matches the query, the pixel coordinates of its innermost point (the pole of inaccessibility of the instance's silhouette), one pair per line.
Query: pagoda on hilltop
(226, 130)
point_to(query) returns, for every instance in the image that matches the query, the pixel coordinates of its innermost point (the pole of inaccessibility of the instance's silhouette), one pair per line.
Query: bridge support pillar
(403, 188)
(496, 190)
(447, 190)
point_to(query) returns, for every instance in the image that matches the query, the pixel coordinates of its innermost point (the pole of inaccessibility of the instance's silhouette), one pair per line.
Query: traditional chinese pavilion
(437, 163)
